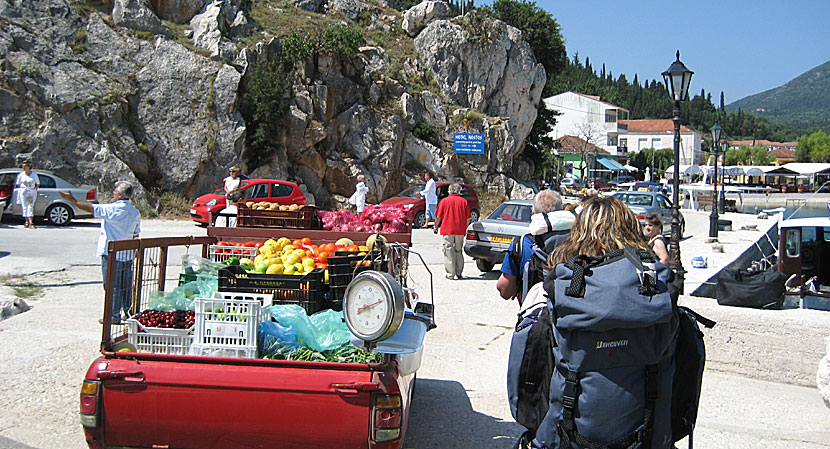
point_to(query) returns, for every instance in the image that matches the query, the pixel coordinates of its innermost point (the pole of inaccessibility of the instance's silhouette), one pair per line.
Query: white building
(590, 119)
(659, 134)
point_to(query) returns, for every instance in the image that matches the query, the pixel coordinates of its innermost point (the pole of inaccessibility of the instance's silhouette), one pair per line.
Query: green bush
(428, 133)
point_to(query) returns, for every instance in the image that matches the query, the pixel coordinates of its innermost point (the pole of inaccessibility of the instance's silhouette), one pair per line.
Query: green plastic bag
(322, 331)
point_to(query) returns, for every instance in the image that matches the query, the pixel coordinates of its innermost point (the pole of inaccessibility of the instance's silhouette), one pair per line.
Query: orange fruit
(306, 240)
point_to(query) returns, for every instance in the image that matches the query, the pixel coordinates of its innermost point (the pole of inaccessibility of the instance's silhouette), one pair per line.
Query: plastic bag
(165, 302)
(276, 339)
(193, 264)
(321, 332)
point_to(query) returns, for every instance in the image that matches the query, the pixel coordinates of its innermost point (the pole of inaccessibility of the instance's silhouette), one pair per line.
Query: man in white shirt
(431, 198)
(120, 220)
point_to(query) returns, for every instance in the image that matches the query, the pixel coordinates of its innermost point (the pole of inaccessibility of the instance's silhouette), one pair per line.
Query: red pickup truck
(144, 400)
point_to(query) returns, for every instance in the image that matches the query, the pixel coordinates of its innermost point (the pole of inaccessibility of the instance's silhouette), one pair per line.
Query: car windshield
(411, 192)
(635, 200)
(512, 212)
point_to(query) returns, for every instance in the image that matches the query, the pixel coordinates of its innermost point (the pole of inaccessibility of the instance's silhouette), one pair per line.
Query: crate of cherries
(179, 319)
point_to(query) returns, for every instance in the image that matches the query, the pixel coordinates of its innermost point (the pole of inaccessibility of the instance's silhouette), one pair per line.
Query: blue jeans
(122, 289)
(430, 212)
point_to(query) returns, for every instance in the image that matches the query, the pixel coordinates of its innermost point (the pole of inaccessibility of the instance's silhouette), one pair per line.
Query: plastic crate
(305, 291)
(248, 352)
(159, 340)
(227, 323)
(184, 278)
(344, 266)
(265, 299)
(219, 253)
(303, 218)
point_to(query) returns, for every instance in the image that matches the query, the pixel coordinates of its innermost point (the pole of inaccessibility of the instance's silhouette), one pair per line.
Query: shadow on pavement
(4, 254)
(442, 417)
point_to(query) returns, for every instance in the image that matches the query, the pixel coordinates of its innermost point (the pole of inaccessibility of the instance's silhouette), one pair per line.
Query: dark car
(488, 240)
(598, 184)
(49, 205)
(621, 180)
(417, 205)
(256, 190)
(651, 202)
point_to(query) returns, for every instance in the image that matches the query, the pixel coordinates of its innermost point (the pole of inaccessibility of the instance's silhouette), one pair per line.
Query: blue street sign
(468, 143)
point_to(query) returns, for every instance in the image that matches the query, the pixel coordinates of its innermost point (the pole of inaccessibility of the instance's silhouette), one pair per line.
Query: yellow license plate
(497, 239)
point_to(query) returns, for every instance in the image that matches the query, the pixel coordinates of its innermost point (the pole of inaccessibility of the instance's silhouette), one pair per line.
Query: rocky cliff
(153, 91)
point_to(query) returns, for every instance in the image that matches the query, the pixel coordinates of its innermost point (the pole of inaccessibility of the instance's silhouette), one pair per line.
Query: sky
(739, 47)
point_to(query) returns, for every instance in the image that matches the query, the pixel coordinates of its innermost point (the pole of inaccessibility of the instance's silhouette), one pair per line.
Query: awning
(684, 170)
(610, 164)
(631, 168)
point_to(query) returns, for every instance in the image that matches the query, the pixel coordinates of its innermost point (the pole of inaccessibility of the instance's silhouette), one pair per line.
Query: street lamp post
(595, 168)
(677, 78)
(713, 217)
(722, 200)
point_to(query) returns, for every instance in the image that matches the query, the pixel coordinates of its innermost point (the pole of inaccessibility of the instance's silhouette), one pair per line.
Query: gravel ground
(759, 387)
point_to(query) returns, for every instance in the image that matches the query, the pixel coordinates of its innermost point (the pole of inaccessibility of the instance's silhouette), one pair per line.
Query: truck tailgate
(193, 404)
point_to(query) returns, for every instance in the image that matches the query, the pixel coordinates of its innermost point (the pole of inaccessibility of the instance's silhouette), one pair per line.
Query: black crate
(305, 291)
(344, 266)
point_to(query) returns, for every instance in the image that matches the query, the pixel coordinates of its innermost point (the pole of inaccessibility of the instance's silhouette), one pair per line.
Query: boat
(804, 256)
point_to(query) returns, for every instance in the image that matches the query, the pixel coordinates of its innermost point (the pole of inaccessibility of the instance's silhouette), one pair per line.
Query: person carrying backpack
(549, 226)
(624, 362)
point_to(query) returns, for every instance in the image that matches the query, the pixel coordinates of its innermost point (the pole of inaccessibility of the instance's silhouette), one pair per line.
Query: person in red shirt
(452, 218)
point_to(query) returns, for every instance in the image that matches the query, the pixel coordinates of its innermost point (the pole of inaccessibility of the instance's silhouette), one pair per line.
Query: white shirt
(360, 191)
(429, 192)
(119, 221)
(26, 187)
(232, 183)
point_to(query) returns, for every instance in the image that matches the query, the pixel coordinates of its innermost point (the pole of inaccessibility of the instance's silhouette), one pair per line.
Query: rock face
(487, 68)
(95, 101)
(418, 16)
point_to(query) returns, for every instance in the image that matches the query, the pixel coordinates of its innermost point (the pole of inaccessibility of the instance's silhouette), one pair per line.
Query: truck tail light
(472, 235)
(641, 217)
(89, 403)
(90, 195)
(387, 415)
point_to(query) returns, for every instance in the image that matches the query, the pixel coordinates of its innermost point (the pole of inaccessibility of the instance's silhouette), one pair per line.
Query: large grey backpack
(615, 327)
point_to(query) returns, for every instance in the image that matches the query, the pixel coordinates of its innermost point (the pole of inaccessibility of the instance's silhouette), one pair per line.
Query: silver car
(488, 240)
(651, 203)
(49, 204)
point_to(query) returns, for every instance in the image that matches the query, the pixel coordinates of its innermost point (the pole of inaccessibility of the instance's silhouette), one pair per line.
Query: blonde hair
(361, 178)
(605, 224)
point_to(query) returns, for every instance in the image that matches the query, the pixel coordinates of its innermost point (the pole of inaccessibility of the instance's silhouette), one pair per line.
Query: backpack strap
(581, 267)
(638, 438)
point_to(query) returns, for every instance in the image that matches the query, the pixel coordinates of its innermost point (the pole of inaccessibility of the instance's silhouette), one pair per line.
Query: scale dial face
(368, 308)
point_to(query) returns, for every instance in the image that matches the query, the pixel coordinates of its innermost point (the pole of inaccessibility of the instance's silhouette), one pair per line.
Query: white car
(49, 204)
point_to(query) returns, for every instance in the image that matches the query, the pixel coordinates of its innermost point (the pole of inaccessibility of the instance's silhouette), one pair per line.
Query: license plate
(192, 211)
(499, 239)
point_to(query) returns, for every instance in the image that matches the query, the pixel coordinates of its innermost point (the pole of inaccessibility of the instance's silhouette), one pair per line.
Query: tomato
(323, 256)
(328, 247)
(258, 245)
(249, 243)
(222, 243)
(297, 243)
(306, 241)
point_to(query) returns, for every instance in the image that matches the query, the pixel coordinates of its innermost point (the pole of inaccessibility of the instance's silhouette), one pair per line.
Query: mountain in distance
(803, 102)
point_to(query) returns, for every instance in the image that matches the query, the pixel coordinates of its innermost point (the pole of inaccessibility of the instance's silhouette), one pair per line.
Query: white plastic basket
(228, 323)
(159, 340)
(245, 352)
(218, 253)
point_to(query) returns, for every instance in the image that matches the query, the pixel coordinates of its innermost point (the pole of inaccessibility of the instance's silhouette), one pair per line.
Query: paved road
(756, 394)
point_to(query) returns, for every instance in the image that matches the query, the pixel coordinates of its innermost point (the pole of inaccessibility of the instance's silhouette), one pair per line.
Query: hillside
(803, 102)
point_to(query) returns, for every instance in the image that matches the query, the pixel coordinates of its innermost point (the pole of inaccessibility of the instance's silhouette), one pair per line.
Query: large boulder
(179, 11)
(138, 15)
(418, 16)
(486, 67)
(353, 9)
(210, 26)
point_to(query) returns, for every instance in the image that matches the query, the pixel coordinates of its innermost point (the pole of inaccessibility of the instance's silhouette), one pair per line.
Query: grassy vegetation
(488, 202)
(79, 44)
(174, 207)
(22, 289)
(472, 116)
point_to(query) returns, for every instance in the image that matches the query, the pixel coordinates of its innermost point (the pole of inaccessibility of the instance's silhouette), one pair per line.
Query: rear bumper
(480, 250)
